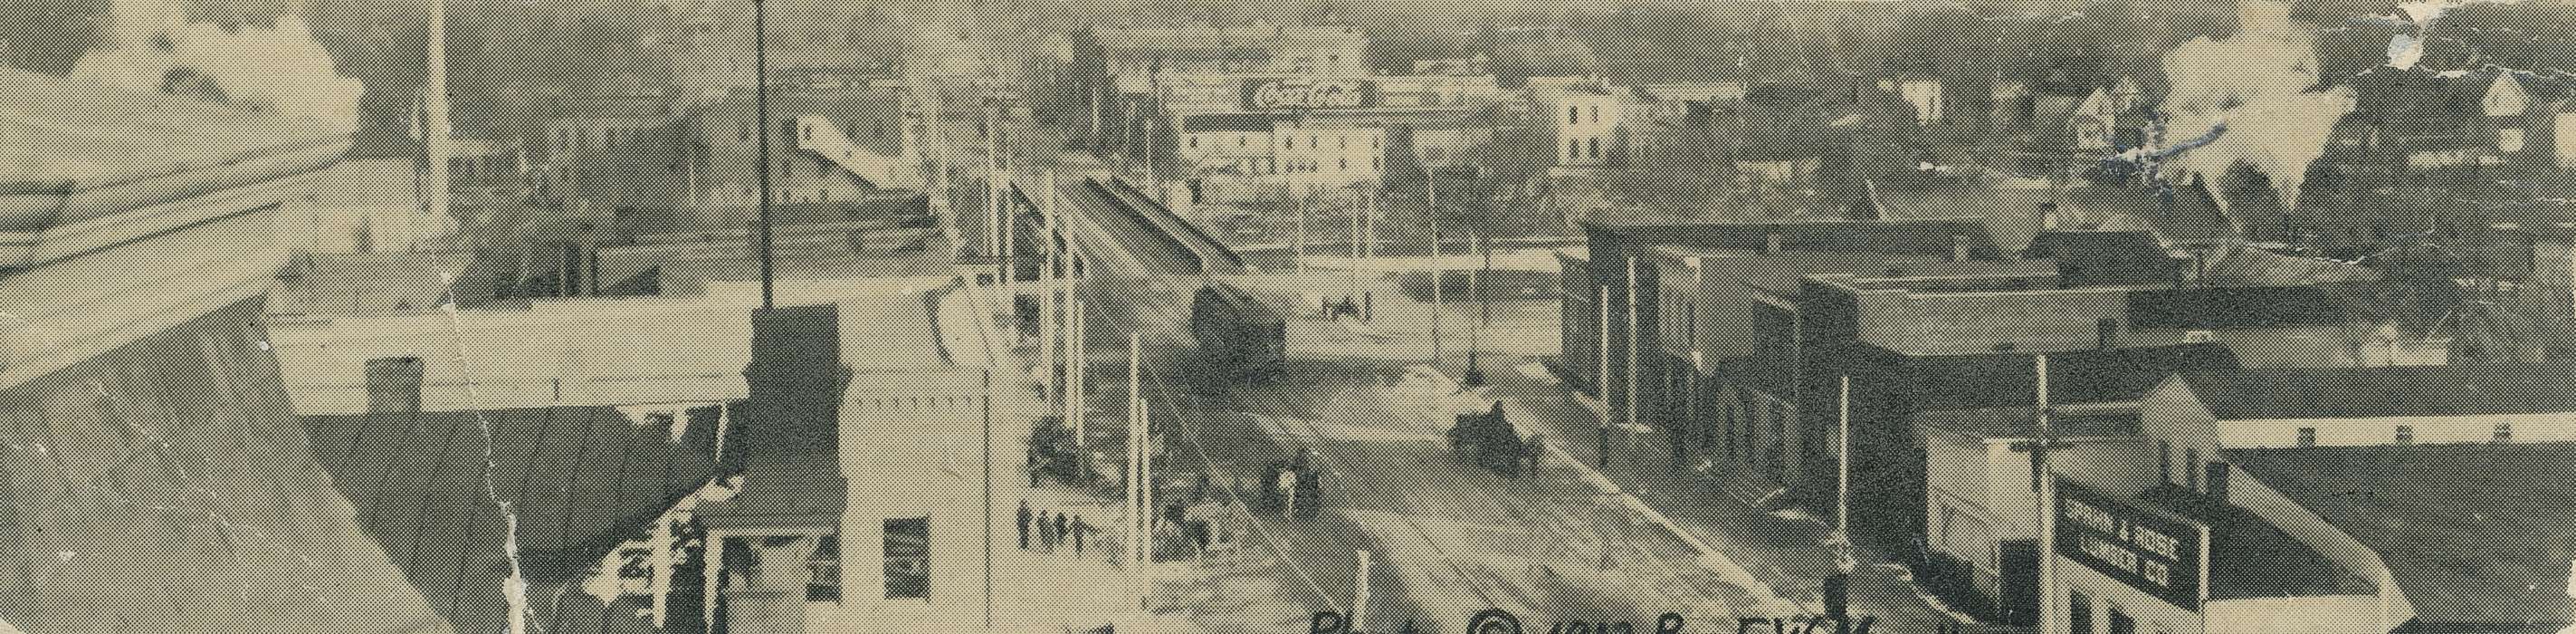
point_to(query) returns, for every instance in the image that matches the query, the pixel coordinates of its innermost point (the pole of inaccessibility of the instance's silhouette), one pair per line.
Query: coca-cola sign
(1308, 94)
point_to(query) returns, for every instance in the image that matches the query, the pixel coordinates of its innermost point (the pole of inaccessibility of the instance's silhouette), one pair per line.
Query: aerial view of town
(1293, 316)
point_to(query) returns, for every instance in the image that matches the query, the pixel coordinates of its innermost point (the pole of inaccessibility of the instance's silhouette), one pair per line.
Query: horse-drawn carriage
(1488, 440)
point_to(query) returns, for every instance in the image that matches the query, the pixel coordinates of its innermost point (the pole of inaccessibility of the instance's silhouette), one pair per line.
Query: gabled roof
(2472, 534)
(2444, 390)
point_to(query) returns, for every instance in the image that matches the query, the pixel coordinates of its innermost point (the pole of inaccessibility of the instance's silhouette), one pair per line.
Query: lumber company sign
(2155, 553)
(1308, 94)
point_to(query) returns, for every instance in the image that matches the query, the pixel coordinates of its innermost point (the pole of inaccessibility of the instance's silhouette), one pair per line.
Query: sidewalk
(1082, 591)
(1790, 554)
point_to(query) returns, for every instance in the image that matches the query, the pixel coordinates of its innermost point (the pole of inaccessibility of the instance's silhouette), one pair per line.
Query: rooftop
(2444, 390)
(2017, 422)
(1923, 236)
(67, 136)
(2473, 534)
(2249, 558)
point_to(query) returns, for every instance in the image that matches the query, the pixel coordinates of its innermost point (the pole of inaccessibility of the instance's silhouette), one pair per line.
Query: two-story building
(1582, 116)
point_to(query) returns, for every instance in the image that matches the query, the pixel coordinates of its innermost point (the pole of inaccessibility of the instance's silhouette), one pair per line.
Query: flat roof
(2472, 533)
(2017, 422)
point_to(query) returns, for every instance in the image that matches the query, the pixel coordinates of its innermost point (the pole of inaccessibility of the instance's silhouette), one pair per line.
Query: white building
(1583, 116)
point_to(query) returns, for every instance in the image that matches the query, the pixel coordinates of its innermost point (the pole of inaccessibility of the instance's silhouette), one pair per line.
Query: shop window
(823, 570)
(907, 558)
(2307, 436)
(2405, 434)
(2503, 433)
(2079, 613)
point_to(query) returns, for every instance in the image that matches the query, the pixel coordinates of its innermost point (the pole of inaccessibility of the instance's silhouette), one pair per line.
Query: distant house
(2417, 121)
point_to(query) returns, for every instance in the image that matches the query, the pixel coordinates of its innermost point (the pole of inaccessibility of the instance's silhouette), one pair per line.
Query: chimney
(393, 385)
(2216, 479)
(1958, 248)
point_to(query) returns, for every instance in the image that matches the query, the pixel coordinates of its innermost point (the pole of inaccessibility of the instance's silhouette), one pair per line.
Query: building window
(2504, 432)
(1573, 150)
(1596, 114)
(1592, 147)
(907, 558)
(2191, 467)
(2121, 623)
(1573, 115)
(2079, 612)
(1288, 143)
(2405, 434)
(2307, 436)
(1194, 141)
(1342, 142)
(1373, 141)
(1346, 164)
(1377, 163)
(823, 570)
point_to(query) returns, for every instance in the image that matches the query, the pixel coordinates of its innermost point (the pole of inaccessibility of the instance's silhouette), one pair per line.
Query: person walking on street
(1033, 467)
(1061, 529)
(1079, 527)
(1024, 524)
(1046, 534)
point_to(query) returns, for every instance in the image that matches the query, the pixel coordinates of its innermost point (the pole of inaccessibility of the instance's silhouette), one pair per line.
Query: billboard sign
(2153, 552)
(1308, 94)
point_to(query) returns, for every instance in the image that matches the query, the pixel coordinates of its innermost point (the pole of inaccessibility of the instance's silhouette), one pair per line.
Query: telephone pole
(760, 92)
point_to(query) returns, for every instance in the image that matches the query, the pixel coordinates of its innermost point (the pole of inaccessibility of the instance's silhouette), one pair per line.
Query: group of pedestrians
(1052, 530)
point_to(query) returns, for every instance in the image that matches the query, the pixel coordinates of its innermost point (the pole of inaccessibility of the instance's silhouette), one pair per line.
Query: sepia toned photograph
(1288, 316)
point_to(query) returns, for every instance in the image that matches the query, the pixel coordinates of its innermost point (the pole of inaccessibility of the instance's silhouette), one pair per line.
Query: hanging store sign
(2156, 554)
(1308, 94)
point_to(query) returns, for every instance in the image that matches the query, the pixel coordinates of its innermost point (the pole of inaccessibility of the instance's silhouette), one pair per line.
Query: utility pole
(993, 195)
(1298, 242)
(2045, 481)
(1135, 453)
(988, 498)
(1431, 212)
(760, 54)
(434, 133)
(1632, 346)
(1602, 382)
(1484, 308)
(1052, 271)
